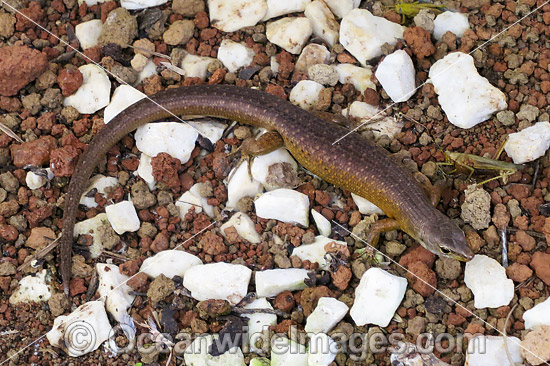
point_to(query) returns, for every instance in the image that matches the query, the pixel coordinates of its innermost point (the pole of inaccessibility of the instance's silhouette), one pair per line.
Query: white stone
(196, 66)
(306, 94)
(259, 323)
(32, 288)
(222, 281)
(261, 164)
(88, 33)
(196, 191)
(450, 21)
(123, 217)
(232, 15)
(244, 226)
(82, 331)
(234, 55)
(196, 354)
(377, 297)
(175, 138)
(466, 97)
(323, 225)
(396, 75)
(99, 184)
(210, 129)
(322, 21)
(272, 282)
(186, 202)
(150, 69)
(490, 351)
(363, 34)
(488, 282)
(169, 263)
(277, 8)
(94, 92)
(274, 65)
(537, 315)
(35, 181)
(365, 206)
(123, 97)
(528, 144)
(92, 227)
(315, 252)
(360, 77)
(326, 315)
(240, 185)
(145, 171)
(141, 4)
(322, 350)
(289, 33)
(284, 205)
(373, 119)
(114, 290)
(285, 352)
(312, 54)
(341, 8)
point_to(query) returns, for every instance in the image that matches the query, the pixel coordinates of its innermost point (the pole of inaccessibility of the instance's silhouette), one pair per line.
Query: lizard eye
(444, 250)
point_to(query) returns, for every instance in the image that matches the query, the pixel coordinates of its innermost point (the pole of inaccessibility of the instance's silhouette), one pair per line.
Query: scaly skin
(355, 163)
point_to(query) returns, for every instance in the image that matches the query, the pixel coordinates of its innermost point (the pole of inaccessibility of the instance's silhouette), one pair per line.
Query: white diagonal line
(380, 113)
(97, 64)
(436, 290)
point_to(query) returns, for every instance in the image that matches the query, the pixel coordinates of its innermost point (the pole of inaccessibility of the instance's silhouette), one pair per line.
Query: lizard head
(444, 238)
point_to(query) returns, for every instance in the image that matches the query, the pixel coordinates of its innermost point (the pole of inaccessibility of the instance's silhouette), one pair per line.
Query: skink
(355, 163)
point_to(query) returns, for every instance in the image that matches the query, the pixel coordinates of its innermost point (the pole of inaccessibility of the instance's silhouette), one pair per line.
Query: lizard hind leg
(373, 236)
(252, 147)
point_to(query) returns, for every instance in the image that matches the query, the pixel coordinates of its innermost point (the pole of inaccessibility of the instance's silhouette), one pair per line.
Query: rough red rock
(212, 244)
(19, 65)
(165, 170)
(35, 152)
(63, 161)
(341, 277)
(541, 264)
(418, 253)
(519, 272)
(420, 41)
(40, 237)
(138, 282)
(284, 301)
(27, 17)
(455, 319)
(526, 241)
(160, 243)
(69, 80)
(423, 279)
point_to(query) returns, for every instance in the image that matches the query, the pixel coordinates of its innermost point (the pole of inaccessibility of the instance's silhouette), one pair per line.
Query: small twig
(508, 355)
(39, 254)
(504, 240)
(115, 255)
(173, 68)
(536, 174)
(10, 133)
(513, 230)
(144, 50)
